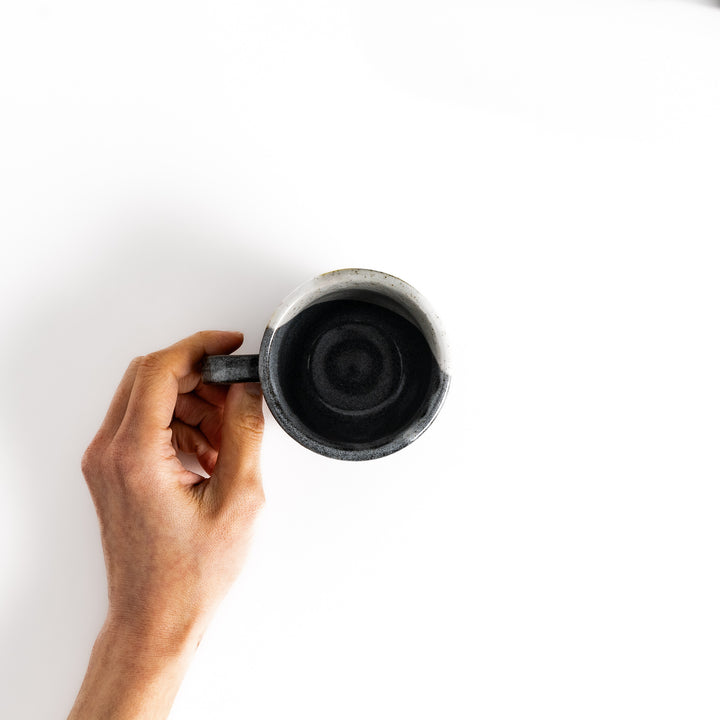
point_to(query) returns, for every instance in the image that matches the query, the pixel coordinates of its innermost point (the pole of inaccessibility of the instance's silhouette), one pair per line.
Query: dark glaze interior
(354, 373)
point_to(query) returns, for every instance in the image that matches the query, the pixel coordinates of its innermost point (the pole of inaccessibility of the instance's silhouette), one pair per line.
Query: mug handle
(226, 369)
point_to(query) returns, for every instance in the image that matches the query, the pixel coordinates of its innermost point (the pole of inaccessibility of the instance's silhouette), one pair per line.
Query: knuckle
(201, 335)
(88, 463)
(152, 361)
(117, 459)
(250, 423)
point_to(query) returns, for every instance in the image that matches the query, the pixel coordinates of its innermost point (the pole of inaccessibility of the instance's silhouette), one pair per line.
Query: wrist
(151, 641)
(131, 675)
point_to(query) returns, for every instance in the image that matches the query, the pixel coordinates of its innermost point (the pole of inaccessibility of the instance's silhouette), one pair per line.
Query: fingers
(197, 412)
(118, 405)
(214, 394)
(237, 474)
(161, 375)
(190, 440)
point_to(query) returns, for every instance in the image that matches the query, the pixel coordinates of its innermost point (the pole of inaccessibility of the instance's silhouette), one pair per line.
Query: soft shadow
(152, 285)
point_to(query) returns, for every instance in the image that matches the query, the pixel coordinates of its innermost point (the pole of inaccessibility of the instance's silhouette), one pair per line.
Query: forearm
(128, 678)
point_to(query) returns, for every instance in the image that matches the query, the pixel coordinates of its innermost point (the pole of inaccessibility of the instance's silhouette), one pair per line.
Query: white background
(546, 173)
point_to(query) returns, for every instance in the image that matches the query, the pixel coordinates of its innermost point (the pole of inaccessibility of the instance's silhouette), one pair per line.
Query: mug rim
(334, 283)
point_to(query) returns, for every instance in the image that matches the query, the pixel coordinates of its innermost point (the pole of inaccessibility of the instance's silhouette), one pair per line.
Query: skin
(174, 541)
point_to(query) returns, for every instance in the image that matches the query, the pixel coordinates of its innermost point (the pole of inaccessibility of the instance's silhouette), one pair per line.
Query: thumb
(237, 472)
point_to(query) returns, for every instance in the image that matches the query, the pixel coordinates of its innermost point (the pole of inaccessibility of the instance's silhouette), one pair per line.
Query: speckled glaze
(372, 286)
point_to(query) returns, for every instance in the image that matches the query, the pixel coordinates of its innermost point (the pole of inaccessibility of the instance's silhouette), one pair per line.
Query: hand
(174, 541)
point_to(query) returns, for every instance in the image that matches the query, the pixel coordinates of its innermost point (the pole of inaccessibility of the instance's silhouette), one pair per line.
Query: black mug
(353, 364)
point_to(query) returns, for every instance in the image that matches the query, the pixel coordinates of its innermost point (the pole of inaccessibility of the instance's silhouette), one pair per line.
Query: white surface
(546, 174)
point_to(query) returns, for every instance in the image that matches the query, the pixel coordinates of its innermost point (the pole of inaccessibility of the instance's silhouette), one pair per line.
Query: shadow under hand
(72, 343)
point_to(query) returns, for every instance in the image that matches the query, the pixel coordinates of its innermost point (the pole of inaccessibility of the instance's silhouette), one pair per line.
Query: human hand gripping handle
(174, 541)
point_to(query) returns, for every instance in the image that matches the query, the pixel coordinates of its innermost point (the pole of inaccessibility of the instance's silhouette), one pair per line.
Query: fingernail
(253, 389)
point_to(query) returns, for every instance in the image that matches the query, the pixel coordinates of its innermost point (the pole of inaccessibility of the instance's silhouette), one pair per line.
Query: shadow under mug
(353, 364)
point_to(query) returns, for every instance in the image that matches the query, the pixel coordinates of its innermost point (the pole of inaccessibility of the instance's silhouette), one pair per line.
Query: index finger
(159, 375)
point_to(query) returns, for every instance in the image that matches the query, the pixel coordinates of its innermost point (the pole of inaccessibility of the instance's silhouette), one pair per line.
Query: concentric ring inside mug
(353, 364)
(355, 369)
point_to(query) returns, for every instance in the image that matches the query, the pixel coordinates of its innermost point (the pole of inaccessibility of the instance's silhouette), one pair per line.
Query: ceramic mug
(353, 364)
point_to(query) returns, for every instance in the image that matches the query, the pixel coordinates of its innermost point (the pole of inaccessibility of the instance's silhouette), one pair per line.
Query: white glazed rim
(331, 285)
